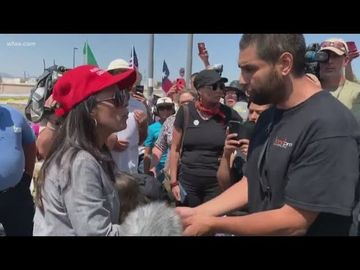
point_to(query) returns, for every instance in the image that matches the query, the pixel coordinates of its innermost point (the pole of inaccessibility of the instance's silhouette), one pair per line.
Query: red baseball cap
(79, 83)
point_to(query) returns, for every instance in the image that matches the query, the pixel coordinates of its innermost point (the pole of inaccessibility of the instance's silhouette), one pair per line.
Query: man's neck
(299, 89)
(332, 83)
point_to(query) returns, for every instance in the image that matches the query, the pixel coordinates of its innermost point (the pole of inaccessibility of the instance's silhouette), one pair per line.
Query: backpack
(151, 187)
(35, 108)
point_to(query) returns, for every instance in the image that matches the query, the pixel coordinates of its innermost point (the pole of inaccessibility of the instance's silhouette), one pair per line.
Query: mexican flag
(89, 57)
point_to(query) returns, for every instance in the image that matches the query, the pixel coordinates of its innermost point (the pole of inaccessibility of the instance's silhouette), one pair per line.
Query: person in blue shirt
(17, 159)
(164, 108)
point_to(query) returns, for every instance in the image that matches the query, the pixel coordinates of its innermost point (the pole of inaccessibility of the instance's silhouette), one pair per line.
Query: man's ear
(285, 63)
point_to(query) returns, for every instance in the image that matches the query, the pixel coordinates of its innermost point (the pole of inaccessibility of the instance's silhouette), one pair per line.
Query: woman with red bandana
(203, 142)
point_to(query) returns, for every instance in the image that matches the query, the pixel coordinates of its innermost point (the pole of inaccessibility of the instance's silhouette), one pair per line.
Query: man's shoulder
(352, 85)
(8, 111)
(155, 126)
(353, 88)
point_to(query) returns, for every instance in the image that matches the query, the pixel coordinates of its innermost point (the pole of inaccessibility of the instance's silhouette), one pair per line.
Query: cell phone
(247, 130)
(140, 89)
(180, 84)
(201, 47)
(351, 46)
(234, 127)
(183, 193)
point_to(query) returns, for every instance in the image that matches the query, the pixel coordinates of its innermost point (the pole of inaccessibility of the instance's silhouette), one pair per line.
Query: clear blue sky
(223, 48)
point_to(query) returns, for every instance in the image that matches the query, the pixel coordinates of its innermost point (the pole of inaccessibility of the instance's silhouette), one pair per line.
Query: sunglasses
(119, 99)
(335, 44)
(168, 107)
(216, 86)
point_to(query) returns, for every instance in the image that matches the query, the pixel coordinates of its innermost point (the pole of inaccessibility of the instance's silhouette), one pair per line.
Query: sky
(24, 53)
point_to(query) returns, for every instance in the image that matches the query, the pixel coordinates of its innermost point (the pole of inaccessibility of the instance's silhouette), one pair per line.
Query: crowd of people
(275, 152)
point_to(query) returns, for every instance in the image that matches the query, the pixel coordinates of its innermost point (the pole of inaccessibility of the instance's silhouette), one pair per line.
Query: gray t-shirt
(88, 205)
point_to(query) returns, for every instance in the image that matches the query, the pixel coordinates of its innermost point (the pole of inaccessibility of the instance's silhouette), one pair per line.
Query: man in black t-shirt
(302, 175)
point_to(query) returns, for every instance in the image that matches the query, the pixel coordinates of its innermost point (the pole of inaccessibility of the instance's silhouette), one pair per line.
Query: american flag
(133, 62)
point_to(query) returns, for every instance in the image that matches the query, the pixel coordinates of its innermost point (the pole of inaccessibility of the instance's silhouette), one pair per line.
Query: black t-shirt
(311, 162)
(204, 140)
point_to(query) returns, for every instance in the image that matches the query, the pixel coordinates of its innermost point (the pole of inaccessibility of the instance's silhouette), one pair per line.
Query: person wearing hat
(125, 144)
(75, 192)
(163, 143)
(332, 75)
(203, 142)
(165, 107)
(234, 94)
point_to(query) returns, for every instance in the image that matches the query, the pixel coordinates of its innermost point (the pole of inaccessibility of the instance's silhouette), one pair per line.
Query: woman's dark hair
(269, 48)
(76, 133)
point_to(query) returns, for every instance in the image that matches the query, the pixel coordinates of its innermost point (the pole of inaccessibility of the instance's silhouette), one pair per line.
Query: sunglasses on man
(165, 107)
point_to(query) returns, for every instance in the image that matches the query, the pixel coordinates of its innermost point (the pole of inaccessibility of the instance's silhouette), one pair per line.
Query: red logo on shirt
(282, 143)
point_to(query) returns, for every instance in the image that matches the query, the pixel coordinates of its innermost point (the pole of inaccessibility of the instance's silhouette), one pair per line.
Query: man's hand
(139, 97)
(140, 117)
(353, 55)
(230, 144)
(121, 145)
(172, 91)
(205, 58)
(185, 212)
(176, 192)
(244, 146)
(198, 225)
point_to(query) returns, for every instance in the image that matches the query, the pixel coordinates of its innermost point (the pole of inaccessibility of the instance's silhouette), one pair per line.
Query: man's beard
(272, 90)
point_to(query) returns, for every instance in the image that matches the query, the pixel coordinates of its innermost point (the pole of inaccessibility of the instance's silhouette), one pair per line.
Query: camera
(35, 109)
(313, 57)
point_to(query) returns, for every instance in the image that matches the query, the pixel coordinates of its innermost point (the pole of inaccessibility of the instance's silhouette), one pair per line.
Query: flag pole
(189, 60)
(151, 66)
(132, 57)
(86, 52)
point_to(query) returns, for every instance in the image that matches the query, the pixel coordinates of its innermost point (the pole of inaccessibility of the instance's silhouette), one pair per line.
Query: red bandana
(213, 111)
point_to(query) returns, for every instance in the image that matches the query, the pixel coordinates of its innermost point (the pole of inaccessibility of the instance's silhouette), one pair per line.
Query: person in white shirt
(124, 144)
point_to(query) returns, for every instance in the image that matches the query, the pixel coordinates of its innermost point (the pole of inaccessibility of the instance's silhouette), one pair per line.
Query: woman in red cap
(75, 192)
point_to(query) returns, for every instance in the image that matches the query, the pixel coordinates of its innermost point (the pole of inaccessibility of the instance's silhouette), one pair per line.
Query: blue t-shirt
(153, 134)
(14, 133)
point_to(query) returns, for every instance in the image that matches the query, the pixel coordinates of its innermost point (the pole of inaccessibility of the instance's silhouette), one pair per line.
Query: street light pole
(189, 59)
(74, 56)
(151, 66)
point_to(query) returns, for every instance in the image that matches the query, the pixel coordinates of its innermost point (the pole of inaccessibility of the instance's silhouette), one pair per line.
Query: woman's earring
(95, 122)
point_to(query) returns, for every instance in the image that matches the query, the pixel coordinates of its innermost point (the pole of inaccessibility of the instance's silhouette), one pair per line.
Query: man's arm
(231, 199)
(286, 220)
(224, 175)
(349, 74)
(45, 140)
(142, 122)
(155, 157)
(224, 172)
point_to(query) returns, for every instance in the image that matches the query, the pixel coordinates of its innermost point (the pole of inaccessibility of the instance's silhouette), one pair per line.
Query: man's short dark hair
(271, 46)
